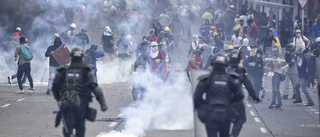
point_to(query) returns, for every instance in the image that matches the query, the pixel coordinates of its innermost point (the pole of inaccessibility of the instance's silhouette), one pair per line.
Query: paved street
(26, 115)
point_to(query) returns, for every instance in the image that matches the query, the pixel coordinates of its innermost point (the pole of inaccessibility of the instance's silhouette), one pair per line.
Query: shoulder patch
(234, 74)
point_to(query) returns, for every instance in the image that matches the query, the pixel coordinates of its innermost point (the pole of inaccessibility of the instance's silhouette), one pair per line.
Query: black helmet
(94, 46)
(220, 59)
(76, 53)
(234, 57)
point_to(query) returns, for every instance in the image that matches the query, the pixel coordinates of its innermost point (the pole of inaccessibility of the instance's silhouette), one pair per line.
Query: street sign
(303, 3)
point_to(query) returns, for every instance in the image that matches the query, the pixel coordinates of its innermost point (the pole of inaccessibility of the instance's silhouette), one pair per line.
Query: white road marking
(249, 105)
(112, 124)
(120, 115)
(263, 130)
(257, 119)
(6, 105)
(20, 99)
(313, 109)
(252, 113)
(316, 112)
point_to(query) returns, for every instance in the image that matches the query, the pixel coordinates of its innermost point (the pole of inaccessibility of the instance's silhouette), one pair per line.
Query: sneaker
(272, 106)
(310, 104)
(294, 96)
(48, 92)
(297, 101)
(279, 105)
(9, 79)
(31, 90)
(20, 92)
(285, 97)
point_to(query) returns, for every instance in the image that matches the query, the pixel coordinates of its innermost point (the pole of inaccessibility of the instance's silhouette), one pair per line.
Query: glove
(103, 107)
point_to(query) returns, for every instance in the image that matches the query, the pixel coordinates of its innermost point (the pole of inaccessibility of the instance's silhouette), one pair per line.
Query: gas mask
(298, 35)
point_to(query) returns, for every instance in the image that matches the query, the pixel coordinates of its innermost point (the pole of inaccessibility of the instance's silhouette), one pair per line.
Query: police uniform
(214, 111)
(239, 105)
(82, 81)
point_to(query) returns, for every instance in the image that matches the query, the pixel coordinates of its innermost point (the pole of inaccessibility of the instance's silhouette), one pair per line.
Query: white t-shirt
(236, 41)
(299, 42)
(245, 19)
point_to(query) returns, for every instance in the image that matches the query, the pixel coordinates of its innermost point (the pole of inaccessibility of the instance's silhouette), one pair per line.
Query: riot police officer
(72, 89)
(222, 89)
(254, 65)
(234, 60)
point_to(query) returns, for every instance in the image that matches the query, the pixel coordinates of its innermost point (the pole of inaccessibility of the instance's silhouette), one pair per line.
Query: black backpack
(89, 56)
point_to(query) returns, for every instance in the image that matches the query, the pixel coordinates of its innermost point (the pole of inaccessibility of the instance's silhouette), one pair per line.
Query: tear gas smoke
(166, 106)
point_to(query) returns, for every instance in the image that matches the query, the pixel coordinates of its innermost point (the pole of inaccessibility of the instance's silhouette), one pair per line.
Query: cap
(318, 39)
(153, 43)
(195, 36)
(18, 29)
(231, 6)
(219, 30)
(237, 15)
(56, 35)
(83, 30)
(128, 37)
(298, 31)
(230, 47)
(73, 25)
(166, 29)
(26, 40)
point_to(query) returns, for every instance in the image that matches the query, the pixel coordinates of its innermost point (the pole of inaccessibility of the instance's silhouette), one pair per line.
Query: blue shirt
(97, 54)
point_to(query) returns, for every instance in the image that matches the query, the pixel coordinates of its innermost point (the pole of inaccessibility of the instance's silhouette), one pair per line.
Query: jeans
(302, 82)
(275, 89)
(24, 69)
(289, 77)
(135, 91)
(252, 42)
(256, 84)
(23, 79)
(52, 73)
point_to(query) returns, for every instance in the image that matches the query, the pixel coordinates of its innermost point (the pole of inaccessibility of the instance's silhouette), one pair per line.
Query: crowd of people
(228, 36)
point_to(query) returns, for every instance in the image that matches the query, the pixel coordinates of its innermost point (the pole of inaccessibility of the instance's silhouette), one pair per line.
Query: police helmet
(234, 57)
(76, 53)
(220, 59)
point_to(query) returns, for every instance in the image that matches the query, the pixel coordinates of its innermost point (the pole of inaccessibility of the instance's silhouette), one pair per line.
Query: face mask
(210, 31)
(258, 55)
(298, 35)
(154, 49)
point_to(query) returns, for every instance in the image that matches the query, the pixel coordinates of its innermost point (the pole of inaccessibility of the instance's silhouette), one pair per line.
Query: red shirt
(194, 63)
(151, 39)
(16, 36)
(160, 67)
(253, 31)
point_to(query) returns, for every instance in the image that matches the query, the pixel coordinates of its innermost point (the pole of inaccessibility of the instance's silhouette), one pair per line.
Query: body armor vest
(219, 93)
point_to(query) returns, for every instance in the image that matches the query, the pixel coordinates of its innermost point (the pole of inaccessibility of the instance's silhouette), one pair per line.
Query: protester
(24, 63)
(81, 39)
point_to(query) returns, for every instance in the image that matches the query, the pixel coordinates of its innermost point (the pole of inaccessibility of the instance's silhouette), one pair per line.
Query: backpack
(70, 97)
(26, 52)
(89, 56)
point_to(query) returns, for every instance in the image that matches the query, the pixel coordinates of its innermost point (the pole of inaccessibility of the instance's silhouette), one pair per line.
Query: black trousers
(241, 109)
(24, 69)
(75, 119)
(214, 128)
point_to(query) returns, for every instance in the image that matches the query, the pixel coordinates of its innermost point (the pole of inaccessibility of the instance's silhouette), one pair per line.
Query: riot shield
(199, 128)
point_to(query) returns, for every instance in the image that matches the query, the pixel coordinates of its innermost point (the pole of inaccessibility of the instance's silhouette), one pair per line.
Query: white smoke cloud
(166, 106)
